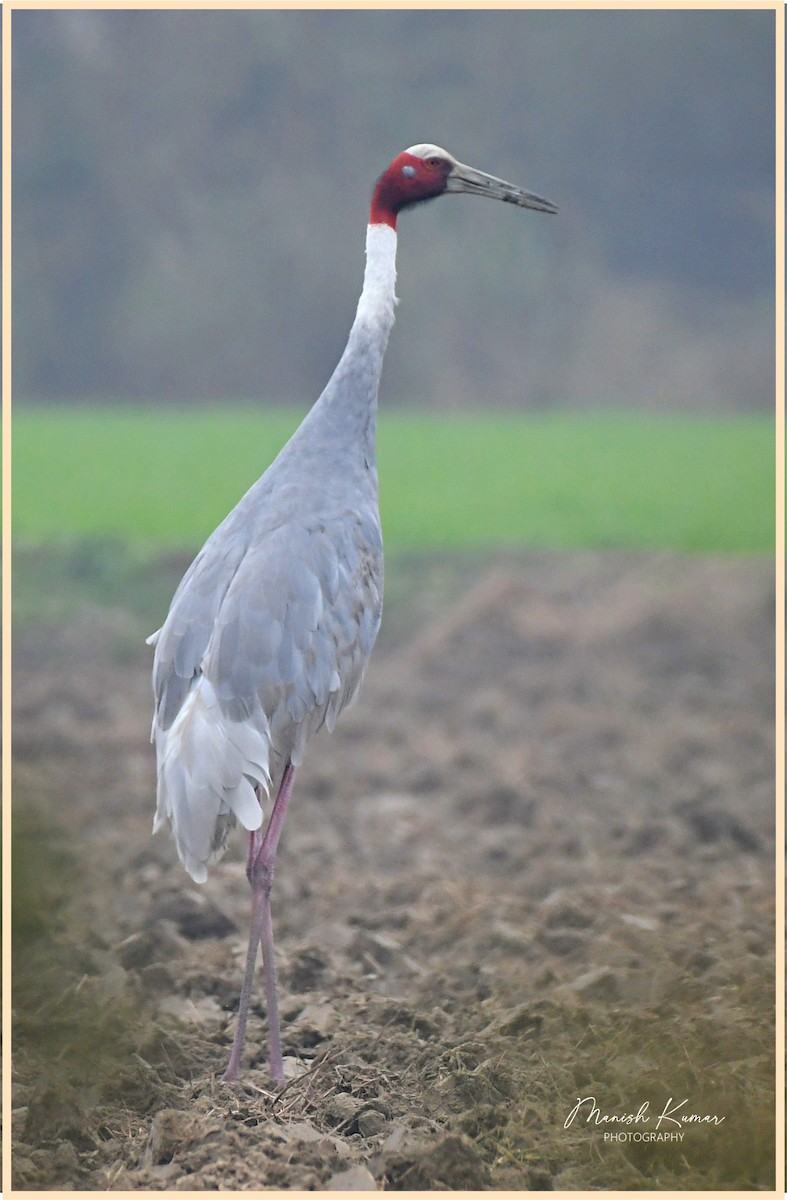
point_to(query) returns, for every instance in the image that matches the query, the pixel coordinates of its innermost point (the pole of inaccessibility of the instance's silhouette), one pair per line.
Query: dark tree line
(190, 194)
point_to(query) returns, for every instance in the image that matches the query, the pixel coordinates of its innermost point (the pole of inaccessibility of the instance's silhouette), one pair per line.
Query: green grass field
(161, 477)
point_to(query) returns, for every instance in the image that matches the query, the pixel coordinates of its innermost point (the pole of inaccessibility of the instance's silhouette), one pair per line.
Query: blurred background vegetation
(191, 190)
(190, 196)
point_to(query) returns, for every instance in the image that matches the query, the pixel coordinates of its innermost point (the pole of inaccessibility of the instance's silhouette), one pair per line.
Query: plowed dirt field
(533, 865)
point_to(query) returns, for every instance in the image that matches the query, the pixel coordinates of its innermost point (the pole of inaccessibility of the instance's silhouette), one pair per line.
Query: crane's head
(425, 171)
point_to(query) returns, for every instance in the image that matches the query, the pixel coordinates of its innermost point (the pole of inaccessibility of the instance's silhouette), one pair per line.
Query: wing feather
(265, 640)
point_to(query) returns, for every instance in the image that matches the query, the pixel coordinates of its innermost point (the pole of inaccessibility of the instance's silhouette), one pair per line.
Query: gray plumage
(271, 628)
(269, 634)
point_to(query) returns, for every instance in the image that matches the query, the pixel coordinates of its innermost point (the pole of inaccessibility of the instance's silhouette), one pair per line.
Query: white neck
(378, 298)
(345, 416)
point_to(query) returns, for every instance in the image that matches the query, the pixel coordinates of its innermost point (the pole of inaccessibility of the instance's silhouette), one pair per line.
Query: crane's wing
(298, 622)
(184, 637)
(263, 643)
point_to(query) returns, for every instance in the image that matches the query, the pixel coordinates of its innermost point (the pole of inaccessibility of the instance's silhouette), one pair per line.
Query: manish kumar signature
(671, 1114)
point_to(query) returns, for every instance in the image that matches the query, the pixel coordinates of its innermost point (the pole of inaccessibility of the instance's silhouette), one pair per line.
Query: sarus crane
(270, 631)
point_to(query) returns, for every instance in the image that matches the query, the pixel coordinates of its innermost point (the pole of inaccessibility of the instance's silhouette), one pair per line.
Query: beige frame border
(777, 7)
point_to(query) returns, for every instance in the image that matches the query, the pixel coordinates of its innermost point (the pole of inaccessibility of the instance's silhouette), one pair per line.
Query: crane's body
(270, 631)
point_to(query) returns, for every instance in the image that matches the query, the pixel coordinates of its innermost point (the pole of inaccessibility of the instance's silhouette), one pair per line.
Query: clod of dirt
(357, 1179)
(196, 1011)
(314, 1024)
(59, 1167)
(169, 1129)
(195, 915)
(523, 1021)
(291, 1066)
(341, 1110)
(152, 946)
(301, 1131)
(306, 970)
(379, 950)
(56, 1113)
(371, 1123)
(451, 1162)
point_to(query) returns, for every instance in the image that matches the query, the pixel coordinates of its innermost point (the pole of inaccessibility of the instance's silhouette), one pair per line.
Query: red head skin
(408, 180)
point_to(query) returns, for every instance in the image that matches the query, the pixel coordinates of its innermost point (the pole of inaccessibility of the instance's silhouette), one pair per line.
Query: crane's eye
(434, 161)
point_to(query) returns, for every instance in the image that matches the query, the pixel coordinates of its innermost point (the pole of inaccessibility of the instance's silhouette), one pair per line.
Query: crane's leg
(233, 1066)
(259, 868)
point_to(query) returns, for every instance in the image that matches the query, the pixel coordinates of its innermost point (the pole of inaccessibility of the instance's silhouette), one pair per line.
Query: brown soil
(534, 864)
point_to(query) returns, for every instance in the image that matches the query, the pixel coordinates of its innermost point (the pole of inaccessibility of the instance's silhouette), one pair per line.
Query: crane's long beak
(478, 183)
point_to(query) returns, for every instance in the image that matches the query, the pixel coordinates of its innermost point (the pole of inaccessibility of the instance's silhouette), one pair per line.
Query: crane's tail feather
(209, 768)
